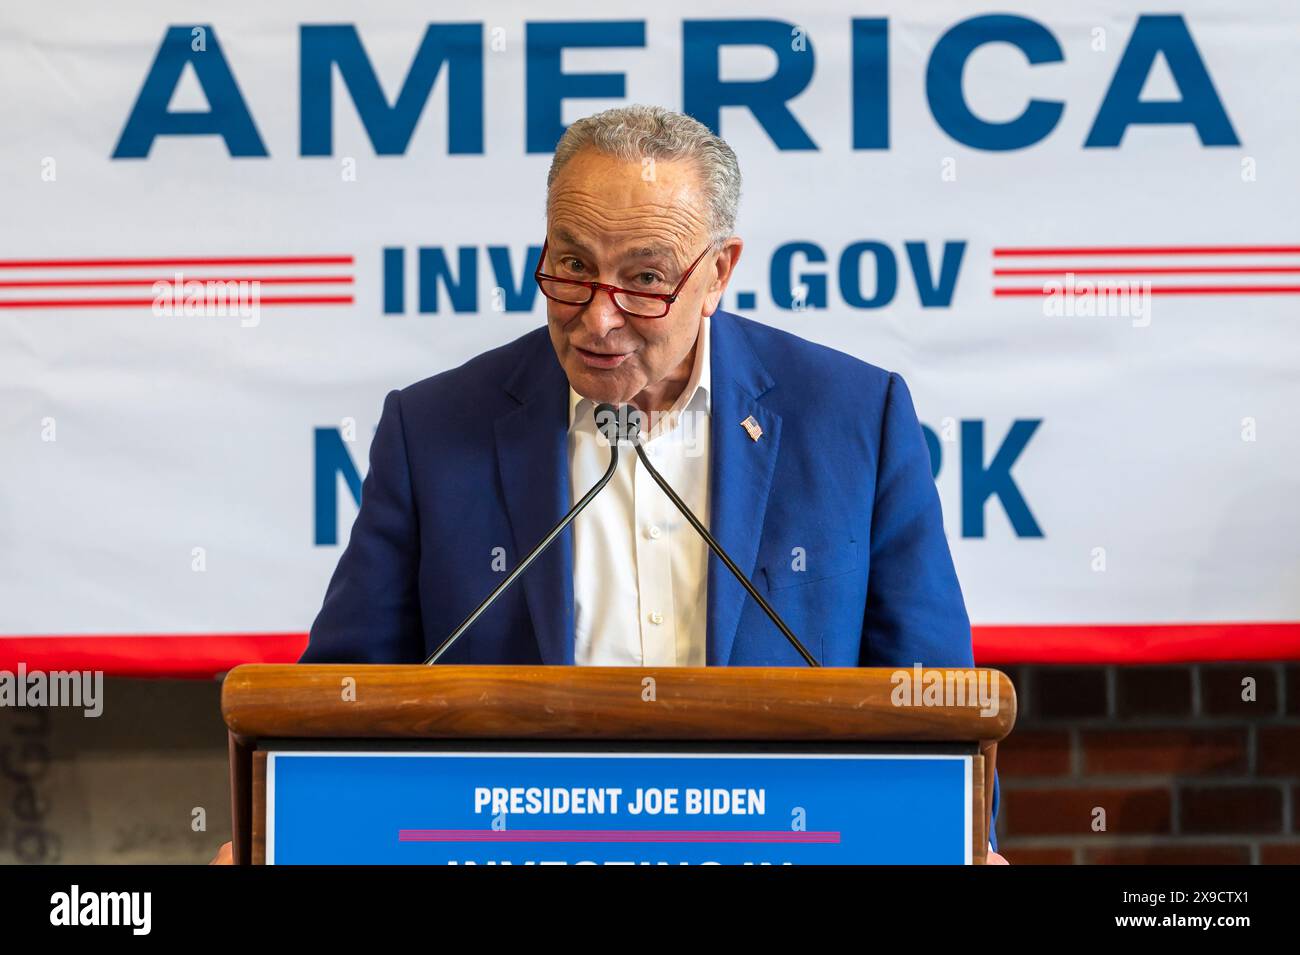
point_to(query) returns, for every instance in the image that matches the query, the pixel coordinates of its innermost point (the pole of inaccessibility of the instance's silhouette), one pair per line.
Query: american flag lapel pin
(751, 426)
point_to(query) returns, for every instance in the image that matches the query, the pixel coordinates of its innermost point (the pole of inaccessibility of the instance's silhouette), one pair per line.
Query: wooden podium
(875, 746)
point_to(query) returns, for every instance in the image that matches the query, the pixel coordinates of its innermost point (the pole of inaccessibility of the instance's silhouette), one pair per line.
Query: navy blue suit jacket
(475, 459)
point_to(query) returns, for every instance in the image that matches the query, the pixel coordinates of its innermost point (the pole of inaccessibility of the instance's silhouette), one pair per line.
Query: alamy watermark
(1111, 299)
(938, 687)
(178, 296)
(83, 689)
(133, 910)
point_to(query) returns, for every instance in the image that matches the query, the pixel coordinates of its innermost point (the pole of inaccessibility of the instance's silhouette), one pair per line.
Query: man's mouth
(595, 359)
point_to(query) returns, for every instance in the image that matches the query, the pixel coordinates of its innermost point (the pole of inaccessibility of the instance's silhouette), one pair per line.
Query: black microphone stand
(634, 431)
(611, 429)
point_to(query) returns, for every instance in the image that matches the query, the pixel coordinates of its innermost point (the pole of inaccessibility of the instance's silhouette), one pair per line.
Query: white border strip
(270, 808)
(589, 754)
(970, 771)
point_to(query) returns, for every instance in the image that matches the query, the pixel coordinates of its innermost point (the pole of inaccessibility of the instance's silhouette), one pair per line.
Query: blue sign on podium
(545, 807)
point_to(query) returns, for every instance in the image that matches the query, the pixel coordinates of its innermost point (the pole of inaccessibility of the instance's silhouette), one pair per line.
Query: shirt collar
(697, 392)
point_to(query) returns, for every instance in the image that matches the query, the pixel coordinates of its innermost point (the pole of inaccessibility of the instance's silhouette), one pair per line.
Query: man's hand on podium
(995, 858)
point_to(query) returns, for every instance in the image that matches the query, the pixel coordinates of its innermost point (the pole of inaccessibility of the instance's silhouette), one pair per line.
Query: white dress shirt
(639, 568)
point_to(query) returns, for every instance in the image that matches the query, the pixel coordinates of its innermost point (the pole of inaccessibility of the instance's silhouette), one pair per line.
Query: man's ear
(724, 266)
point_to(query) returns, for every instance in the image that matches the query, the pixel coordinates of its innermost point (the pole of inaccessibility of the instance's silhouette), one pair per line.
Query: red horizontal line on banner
(1156, 250)
(206, 655)
(201, 655)
(1136, 642)
(129, 302)
(1156, 270)
(107, 283)
(1167, 290)
(131, 263)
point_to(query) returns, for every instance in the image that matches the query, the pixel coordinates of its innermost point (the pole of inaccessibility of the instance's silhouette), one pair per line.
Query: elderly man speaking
(808, 465)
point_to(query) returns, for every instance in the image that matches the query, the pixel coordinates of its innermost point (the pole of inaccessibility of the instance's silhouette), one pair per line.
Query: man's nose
(601, 316)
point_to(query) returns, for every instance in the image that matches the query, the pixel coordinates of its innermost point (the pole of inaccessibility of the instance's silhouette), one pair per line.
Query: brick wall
(121, 788)
(1185, 769)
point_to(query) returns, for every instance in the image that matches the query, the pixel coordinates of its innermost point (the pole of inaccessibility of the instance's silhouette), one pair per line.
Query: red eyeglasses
(636, 304)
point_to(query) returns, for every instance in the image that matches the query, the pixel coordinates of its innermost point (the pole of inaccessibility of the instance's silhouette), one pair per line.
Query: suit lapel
(532, 454)
(741, 472)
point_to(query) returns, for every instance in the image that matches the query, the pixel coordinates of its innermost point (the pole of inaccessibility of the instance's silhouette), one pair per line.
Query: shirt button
(656, 618)
(654, 532)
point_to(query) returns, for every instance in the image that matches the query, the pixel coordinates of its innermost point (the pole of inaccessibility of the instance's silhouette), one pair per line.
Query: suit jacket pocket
(803, 562)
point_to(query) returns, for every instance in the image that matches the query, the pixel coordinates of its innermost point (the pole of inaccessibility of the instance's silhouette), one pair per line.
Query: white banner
(1074, 233)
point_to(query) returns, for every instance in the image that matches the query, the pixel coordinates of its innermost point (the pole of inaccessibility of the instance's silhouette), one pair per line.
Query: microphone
(613, 426)
(634, 419)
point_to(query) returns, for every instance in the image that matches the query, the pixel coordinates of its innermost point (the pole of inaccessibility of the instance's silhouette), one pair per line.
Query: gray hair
(637, 133)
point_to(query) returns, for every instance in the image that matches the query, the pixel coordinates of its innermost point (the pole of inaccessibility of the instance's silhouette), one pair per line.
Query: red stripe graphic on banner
(1154, 270)
(202, 294)
(1141, 285)
(1158, 250)
(132, 263)
(205, 655)
(123, 302)
(264, 279)
(1167, 290)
